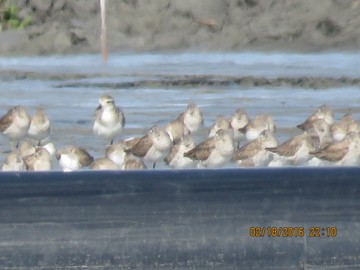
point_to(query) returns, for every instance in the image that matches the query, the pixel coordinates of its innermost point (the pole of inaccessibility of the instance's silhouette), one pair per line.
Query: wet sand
(157, 90)
(63, 27)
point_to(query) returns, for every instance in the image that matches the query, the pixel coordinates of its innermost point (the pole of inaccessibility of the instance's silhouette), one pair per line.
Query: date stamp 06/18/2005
(315, 231)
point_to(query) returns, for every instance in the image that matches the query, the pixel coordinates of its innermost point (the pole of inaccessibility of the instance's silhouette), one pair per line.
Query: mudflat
(67, 27)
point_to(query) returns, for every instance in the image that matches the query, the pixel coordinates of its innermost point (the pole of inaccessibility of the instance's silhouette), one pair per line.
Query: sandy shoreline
(71, 27)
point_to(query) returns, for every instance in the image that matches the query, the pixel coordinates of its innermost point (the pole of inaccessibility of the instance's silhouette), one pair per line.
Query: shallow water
(70, 108)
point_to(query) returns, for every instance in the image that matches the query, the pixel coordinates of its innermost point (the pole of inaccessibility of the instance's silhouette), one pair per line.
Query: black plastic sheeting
(189, 219)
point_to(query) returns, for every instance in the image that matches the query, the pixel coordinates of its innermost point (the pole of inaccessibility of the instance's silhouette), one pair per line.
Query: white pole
(103, 31)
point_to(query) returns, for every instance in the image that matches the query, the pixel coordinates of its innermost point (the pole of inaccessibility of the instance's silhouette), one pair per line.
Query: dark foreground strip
(196, 219)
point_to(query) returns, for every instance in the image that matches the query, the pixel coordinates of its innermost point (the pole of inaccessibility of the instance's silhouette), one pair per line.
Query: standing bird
(72, 158)
(220, 123)
(15, 124)
(238, 121)
(109, 119)
(116, 153)
(294, 151)
(345, 152)
(175, 159)
(320, 133)
(176, 129)
(260, 123)
(192, 118)
(152, 147)
(39, 161)
(39, 128)
(324, 112)
(346, 125)
(253, 154)
(215, 151)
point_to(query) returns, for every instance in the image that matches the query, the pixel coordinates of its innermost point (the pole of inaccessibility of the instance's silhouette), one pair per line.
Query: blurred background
(33, 27)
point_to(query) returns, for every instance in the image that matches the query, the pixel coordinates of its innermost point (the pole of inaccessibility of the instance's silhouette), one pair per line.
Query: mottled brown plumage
(172, 153)
(176, 129)
(73, 158)
(324, 112)
(7, 120)
(103, 164)
(333, 152)
(141, 147)
(290, 147)
(133, 163)
(15, 124)
(39, 161)
(247, 151)
(202, 151)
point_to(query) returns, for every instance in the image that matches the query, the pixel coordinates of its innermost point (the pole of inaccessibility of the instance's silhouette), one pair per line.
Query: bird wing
(171, 154)
(286, 149)
(141, 148)
(247, 151)
(120, 115)
(333, 152)
(6, 120)
(181, 117)
(129, 143)
(97, 113)
(85, 159)
(201, 151)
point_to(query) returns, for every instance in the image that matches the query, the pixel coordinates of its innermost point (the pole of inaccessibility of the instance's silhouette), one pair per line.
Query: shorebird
(39, 128)
(320, 133)
(354, 126)
(192, 118)
(345, 152)
(39, 161)
(253, 154)
(26, 148)
(176, 129)
(175, 159)
(294, 151)
(220, 123)
(324, 112)
(346, 125)
(72, 158)
(260, 123)
(50, 147)
(116, 153)
(126, 161)
(133, 163)
(109, 119)
(15, 124)
(238, 121)
(215, 151)
(103, 164)
(14, 162)
(152, 147)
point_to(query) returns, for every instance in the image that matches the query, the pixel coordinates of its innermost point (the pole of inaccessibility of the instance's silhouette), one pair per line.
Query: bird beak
(99, 107)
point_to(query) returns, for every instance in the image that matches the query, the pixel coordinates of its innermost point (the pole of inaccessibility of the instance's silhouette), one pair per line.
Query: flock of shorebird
(250, 143)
